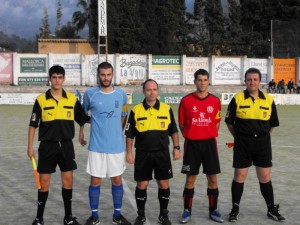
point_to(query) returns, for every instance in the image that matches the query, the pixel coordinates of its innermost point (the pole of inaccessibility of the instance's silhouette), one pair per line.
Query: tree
(89, 17)
(58, 17)
(45, 28)
(67, 31)
(214, 20)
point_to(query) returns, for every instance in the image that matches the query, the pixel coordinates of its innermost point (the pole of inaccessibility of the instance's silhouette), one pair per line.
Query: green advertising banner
(33, 65)
(169, 60)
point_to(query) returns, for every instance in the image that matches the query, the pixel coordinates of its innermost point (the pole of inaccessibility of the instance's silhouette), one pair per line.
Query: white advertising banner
(131, 69)
(102, 18)
(166, 69)
(262, 65)
(192, 64)
(18, 98)
(226, 70)
(71, 64)
(89, 68)
(226, 98)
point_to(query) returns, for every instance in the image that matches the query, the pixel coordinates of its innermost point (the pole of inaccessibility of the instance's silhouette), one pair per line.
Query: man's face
(252, 82)
(202, 83)
(105, 77)
(151, 91)
(57, 81)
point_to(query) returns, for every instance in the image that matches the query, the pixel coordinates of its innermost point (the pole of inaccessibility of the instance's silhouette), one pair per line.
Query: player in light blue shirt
(106, 156)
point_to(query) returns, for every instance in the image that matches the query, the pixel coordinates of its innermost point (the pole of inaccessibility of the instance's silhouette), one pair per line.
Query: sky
(24, 17)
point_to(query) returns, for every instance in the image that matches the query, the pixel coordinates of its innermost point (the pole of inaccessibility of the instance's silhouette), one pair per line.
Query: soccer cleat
(38, 221)
(140, 220)
(216, 216)
(233, 215)
(120, 220)
(273, 213)
(92, 221)
(185, 217)
(163, 218)
(71, 221)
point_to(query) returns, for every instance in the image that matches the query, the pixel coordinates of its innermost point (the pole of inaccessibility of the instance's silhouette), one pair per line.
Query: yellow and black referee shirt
(55, 119)
(151, 126)
(252, 116)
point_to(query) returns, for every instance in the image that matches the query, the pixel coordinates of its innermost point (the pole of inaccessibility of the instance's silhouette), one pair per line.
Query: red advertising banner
(6, 67)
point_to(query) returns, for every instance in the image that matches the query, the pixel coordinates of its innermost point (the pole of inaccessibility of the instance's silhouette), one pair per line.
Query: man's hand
(129, 157)
(176, 154)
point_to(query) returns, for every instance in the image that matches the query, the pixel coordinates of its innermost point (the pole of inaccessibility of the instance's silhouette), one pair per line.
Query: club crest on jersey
(69, 114)
(162, 124)
(33, 117)
(210, 109)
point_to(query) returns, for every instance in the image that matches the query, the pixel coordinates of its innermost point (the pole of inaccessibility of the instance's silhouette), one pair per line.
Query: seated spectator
(272, 86)
(291, 86)
(280, 87)
(298, 87)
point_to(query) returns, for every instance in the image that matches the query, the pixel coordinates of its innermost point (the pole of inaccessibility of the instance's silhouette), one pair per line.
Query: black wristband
(177, 147)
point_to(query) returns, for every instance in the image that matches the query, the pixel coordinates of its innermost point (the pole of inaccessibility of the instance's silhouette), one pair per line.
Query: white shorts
(105, 165)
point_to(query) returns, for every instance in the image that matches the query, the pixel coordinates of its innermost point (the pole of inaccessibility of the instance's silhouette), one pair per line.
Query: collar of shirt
(48, 94)
(260, 94)
(156, 105)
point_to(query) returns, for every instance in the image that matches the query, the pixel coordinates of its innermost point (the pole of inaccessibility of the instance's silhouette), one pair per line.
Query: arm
(175, 140)
(123, 121)
(181, 127)
(129, 153)
(81, 136)
(31, 133)
(230, 128)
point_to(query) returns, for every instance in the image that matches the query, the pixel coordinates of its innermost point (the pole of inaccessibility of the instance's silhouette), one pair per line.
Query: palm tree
(88, 17)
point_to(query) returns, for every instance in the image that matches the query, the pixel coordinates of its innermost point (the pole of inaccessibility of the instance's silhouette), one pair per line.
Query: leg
(94, 195)
(163, 195)
(43, 194)
(67, 185)
(117, 194)
(264, 177)
(212, 192)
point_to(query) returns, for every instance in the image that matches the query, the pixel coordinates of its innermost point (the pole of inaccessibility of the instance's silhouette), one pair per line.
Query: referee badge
(69, 114)
(162, 124)
(33, 117)
(265, 114)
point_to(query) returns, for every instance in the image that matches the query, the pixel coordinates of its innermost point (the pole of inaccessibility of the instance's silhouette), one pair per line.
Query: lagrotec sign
(166, 69)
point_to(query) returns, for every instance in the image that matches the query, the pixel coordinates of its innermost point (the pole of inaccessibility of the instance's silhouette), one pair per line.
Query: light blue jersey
(106, 110)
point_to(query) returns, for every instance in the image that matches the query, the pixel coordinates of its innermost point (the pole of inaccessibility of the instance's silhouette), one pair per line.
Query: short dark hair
(200, 72)
(146, 81)
(253, 70)
(56, 69)
(105, 65)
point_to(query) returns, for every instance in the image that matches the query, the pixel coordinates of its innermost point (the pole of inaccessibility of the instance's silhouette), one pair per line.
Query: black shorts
(147, 162)
(52, 154)
(197, 152)
(248, 150)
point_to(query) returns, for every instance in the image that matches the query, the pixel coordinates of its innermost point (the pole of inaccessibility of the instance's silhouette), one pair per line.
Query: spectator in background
(280, 87)
(272, 86)
(291, 86)
(298, 87)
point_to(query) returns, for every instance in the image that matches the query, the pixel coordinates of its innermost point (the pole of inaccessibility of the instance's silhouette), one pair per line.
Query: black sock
(213, 195)
(266, 190)
(188, 195)
(163, 197)
(67, 197)
(140, 198)
(42, 199)
(236, 194)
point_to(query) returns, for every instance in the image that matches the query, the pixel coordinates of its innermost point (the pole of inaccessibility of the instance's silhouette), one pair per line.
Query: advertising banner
(262, 65)
(284, 69)
(6, 68)
(226, 70)
(131, 69)
(71, 64)
(89, 68)
(166, 69)
(192, 64)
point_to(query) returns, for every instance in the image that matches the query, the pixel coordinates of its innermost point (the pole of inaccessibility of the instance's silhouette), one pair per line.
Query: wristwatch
(177, 147)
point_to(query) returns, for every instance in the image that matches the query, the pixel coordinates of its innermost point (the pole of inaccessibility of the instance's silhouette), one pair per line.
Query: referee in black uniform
(151, 123)
(250, 118)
